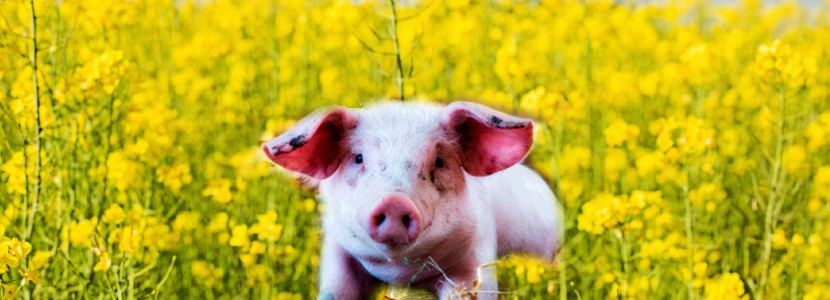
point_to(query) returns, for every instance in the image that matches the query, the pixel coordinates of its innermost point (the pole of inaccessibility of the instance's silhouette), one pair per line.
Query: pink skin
(394, 222)
(420, 195)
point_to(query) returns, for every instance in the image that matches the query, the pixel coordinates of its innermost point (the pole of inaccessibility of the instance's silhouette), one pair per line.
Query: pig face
(394, 176)
(398, 183)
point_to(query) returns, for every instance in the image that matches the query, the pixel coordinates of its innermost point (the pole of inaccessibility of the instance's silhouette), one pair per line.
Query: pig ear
(315, 146)
(490, 141)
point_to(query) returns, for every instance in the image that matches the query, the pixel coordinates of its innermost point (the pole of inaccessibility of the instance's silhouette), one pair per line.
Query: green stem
(689, 237)
(399, 80)
(563, 275)
(770, 215)
(626, 256)
(36, 195)
(157, 290)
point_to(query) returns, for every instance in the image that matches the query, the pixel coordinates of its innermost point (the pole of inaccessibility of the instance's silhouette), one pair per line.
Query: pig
(420, 195)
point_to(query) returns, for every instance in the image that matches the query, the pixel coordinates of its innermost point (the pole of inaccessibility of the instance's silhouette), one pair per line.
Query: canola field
(689, 142)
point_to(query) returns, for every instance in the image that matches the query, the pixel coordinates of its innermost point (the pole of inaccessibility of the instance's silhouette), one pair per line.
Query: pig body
(420, 195)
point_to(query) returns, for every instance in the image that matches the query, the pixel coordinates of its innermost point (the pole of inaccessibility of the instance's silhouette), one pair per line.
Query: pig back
(528, 218)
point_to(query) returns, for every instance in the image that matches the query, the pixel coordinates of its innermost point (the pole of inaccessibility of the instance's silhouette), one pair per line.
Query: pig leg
(341, 276)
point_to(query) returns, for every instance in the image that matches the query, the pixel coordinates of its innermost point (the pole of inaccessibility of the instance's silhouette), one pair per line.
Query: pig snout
(395, 221)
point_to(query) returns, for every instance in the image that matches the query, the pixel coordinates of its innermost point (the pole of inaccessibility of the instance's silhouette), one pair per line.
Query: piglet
(420, 195)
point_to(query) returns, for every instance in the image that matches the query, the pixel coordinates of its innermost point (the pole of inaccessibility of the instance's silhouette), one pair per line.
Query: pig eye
(439, 163)
(358, 159)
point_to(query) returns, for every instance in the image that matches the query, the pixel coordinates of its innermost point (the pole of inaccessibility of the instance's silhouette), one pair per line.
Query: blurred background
(687, 140)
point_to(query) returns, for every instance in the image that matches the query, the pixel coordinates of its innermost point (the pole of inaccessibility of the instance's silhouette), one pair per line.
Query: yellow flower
(619, 132)
(779, 239)
(571, 189)
(507, 65)
(219, 222)
(174, 177)
(727, 286)
(19, 249)
(794, 160)
(309, 205)
(247, 259)
(574, 158)
(815, 291)
(6, 259)
(290, 251)
(239, 236)
(709, 195)
(649, 162)
(821, 183)
(31, 275)
(159, 237)
(13, 168)
(688, 135)
(818, 132)
(331, 83)
(778, 65)
(206, 274)
(615, 161)
(797, 240)
(114, 215)
(136, 214)
(9, 290)
(700, 269)
(104, 262)
(266, 227)
(606, 211)
(127, 237)
(814, 250)
(80, 233)
(40, 259)
(814, 205)
(534, 273)
(250, 163)
(601, 212)
(288, 296)
(219, 190)
(186, 221)
(12, 252)
(257, 274)
(636, 224)
(536, 102)
(257, 247)
(122, 170)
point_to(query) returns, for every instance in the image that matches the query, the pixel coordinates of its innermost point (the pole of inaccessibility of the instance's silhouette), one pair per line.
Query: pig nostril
(394, 221)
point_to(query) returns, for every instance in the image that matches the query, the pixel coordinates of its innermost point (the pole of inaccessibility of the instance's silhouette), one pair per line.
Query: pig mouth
(382, 253)
(402, 259)
(400, 252)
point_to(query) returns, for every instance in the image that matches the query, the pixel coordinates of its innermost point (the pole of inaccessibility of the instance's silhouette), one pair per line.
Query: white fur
(512, 210)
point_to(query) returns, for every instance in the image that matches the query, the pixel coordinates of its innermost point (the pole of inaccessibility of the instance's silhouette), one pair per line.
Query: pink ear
(314, 146)
(491, 141)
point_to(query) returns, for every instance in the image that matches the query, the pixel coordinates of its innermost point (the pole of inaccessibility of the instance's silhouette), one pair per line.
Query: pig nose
(395, 221)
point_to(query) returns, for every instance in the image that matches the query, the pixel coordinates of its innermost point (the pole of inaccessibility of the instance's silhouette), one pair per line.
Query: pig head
(420, 195)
